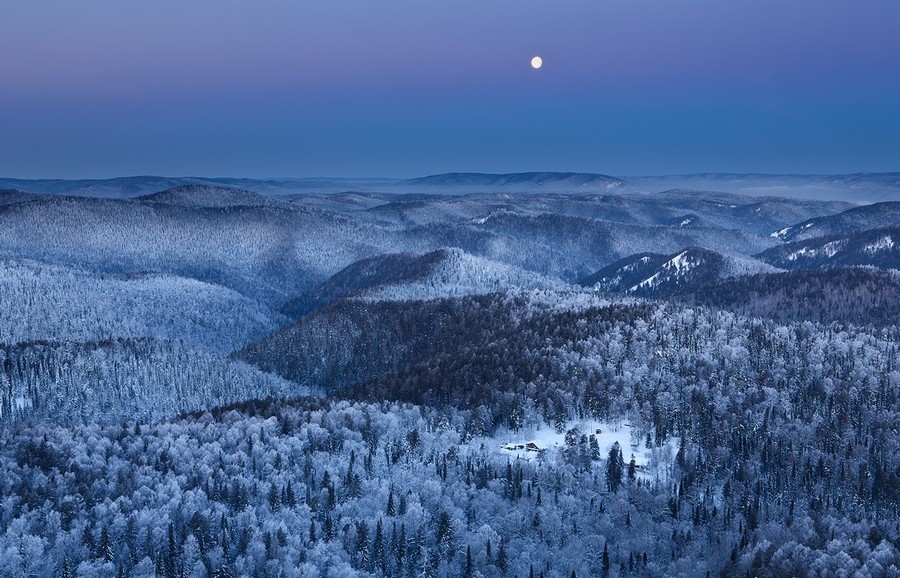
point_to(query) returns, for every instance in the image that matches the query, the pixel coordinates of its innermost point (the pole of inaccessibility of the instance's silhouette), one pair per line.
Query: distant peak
(509, 180)
(202, 195)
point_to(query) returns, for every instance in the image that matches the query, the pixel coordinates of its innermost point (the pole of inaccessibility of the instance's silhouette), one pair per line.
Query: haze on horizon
(350, 88)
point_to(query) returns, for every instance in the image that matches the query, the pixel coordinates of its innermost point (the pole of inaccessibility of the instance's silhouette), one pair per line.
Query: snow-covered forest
(53, 303)
(207, 382)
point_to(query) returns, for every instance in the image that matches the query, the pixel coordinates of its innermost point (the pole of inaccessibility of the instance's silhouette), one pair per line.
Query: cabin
(528, 447)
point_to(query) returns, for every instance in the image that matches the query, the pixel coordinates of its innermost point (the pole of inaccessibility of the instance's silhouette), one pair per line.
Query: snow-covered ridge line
(675, 267)
(459, 273)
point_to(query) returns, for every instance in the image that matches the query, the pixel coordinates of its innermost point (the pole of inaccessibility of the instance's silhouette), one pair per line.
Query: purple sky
(408, 87)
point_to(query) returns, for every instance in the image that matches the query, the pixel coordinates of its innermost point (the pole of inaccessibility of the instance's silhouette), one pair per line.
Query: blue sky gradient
(102, 88)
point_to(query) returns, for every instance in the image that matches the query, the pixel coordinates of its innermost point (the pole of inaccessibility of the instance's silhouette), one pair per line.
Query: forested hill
(408, 276)
(514, 355)
(846, 295)
(776, 473)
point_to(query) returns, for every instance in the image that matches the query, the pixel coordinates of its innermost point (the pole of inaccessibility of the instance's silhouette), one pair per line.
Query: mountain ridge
(873, 216)
(879, 247)
(856, 187)
(506, 180)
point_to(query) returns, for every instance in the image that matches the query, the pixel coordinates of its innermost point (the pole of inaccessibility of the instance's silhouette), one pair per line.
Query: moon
(537, 62)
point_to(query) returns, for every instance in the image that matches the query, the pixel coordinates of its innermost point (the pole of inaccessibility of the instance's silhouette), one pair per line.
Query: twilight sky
(276, 88)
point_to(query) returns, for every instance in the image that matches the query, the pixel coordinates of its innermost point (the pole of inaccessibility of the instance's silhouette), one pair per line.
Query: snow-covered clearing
(548, 441)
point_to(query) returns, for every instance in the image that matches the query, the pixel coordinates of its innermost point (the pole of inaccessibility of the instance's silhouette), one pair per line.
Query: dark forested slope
(857, 295)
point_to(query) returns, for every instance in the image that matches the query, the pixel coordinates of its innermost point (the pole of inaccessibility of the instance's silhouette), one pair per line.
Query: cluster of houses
(528, 447)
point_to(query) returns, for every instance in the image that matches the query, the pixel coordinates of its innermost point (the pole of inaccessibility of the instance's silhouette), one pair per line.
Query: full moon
(536, 62)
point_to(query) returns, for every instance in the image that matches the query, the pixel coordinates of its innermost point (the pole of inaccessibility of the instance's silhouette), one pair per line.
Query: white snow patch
(831, 249)
(680, 262)
(781, 234)
(19, 404)
(632, 266)
(886, 243)
(801, 253)
(650, 282)
(828, 250)
(686, 222)
(677, 266)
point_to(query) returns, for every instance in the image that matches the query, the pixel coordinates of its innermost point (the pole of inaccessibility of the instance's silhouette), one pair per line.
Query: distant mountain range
(856, 188)
(275, 249)
(146, 185)
(547, 180)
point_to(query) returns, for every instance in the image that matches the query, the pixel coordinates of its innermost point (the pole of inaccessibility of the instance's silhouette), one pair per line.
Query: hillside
(875, 247)
(570, 248)
(365, 274)
(625, 274)
(53, 303)
(441, 273)
(860, 296)
(874, 216)
(679, 208)
(650, 274)
(12, 196)
(210, 196)
(123, 379)
(265, 253)
(457, 273)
